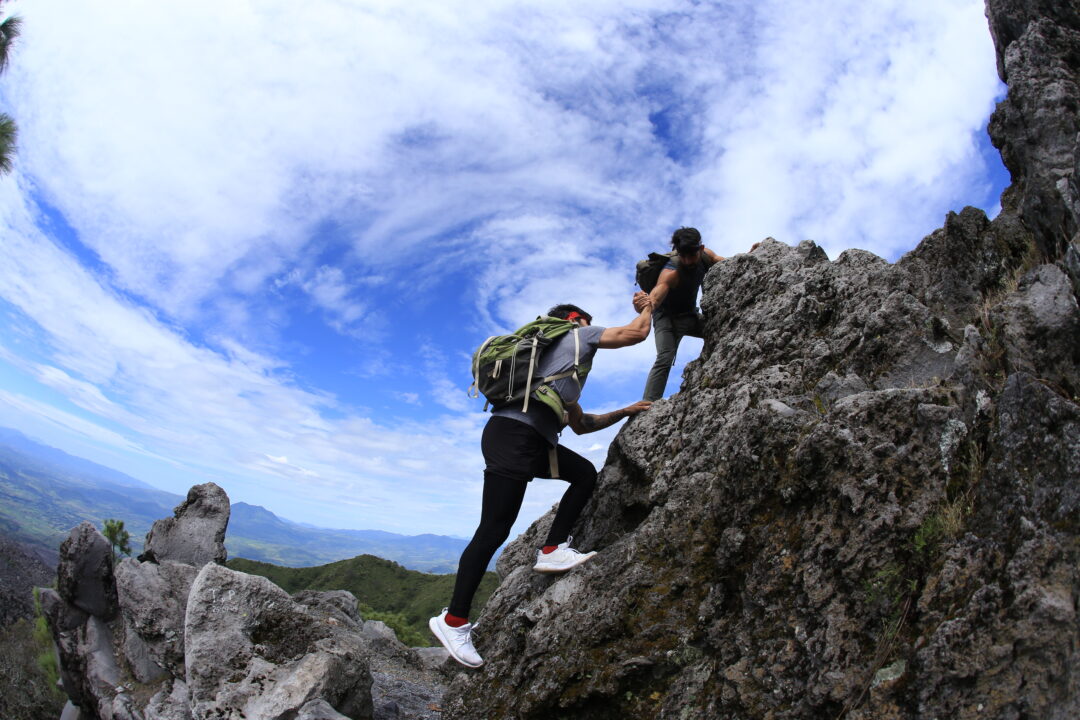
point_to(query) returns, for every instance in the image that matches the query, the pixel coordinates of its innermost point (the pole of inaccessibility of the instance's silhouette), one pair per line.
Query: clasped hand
(642, 301)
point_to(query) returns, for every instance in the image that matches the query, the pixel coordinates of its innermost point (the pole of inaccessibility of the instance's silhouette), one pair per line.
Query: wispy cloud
(288, 237)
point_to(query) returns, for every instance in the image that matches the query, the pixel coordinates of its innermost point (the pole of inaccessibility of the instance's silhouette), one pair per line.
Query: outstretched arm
(632, 333)
(713, 256)
(582, 422)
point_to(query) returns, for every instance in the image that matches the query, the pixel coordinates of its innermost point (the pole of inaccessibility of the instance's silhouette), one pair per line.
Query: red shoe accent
(455, 621)
(549, 549)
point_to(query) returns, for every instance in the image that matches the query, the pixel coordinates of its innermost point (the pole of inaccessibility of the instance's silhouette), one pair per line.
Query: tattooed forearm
(592, 423)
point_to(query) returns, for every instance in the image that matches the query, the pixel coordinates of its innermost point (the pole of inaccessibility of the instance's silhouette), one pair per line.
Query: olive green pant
(668, 332)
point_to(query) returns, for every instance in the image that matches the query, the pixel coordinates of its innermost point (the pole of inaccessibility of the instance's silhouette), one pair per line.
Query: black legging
(516, 453)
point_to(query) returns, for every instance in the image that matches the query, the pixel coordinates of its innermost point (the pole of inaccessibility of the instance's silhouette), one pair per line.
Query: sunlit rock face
(865, 500)
(175, 635)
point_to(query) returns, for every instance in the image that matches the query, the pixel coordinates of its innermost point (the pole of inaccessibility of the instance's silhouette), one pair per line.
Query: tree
(118, 537)
(8, 134)
(9, 30)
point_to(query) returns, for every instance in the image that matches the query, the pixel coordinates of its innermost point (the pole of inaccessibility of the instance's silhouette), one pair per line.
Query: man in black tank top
(674, 301)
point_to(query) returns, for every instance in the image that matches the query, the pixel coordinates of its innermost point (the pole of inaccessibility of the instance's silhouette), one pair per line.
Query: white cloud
(229, 413)
(68, 421)
(857, 134)
(220, 161)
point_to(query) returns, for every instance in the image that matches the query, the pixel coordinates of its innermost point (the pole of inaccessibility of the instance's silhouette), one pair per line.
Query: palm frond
(9, 133)
(9, 30)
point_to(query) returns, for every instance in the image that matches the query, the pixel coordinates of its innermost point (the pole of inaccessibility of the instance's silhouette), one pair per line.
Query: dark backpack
(504, 367)
(649, 269)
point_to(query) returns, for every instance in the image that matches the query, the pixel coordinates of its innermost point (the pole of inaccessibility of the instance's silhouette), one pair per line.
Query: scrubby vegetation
(28, 672)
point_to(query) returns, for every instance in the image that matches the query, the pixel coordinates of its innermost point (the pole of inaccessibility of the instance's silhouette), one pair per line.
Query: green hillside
(403, 599)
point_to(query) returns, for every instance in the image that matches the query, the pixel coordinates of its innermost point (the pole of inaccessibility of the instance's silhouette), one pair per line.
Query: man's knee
(665, 358)
(491, 534)
(582, 474)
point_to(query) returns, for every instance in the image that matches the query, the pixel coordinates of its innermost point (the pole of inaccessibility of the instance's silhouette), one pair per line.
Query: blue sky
(256, 244)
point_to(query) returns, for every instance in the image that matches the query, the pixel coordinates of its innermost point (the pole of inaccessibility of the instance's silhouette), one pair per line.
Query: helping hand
(642, 301)
(638, 407)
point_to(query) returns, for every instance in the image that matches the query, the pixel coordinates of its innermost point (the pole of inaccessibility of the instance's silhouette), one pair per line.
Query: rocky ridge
(865, 500)
(175, 635)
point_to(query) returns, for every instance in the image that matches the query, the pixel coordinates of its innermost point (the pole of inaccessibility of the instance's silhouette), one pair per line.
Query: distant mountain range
(44, 492)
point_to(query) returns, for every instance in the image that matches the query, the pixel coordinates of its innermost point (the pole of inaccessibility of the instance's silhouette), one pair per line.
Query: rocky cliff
(863, 503)
(865, 500)
(175, 635)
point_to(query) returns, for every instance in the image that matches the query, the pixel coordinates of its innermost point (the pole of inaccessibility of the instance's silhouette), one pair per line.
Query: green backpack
(504, 368)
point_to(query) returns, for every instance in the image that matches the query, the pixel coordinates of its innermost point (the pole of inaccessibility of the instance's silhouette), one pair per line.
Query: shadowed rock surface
(20, 572)
(176, 635)
(865, 500)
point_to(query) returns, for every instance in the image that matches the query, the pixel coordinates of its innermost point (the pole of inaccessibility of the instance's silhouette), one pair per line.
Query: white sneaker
(560, 559)
(457, 640)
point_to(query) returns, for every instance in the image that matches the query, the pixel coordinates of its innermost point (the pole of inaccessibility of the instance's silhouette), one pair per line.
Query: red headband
(574, 316)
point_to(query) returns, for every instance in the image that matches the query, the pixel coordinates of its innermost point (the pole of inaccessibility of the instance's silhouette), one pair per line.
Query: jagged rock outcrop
(865, 500)
(175, 635)
(251, 651)
(196, 534)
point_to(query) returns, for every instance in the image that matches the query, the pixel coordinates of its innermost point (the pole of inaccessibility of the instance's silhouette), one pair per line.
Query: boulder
(89, 670)
(85, 572)
(172, 702)
(71, 712)
(153, 601)
(319, 710)
(250, 649)
(195, 535)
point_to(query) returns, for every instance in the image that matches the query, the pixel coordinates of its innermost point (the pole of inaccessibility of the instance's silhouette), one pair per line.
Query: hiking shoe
(560, 559)
(457, 640)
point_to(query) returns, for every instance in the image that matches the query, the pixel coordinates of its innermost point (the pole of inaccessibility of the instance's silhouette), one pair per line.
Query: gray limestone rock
(397, 697)
(85, 572)
(864, 501)
(196, 533)
(432, 658)
(338, 605)
(251, 649)
(89, 669)
(319, 710)
(172, 702)
(153, 600)
(1040, 326)
(71, 712)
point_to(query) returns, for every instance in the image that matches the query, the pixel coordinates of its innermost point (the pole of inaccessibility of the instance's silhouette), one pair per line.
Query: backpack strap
(572, 372)
(532, 369)
(474, 389)
(553, 462)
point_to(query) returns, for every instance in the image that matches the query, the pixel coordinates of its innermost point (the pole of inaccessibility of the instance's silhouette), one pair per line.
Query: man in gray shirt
(520, 445)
